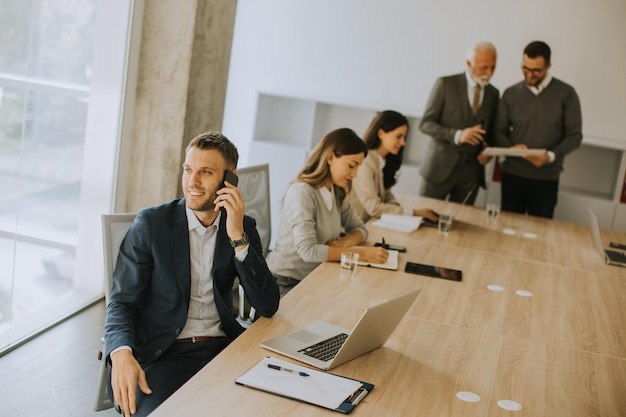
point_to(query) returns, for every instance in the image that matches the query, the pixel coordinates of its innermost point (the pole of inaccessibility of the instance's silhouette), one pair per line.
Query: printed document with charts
(298, 382)
(398, 222)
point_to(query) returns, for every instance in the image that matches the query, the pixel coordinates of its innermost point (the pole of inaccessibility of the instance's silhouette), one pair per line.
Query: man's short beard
(483, 82)
(208, 205)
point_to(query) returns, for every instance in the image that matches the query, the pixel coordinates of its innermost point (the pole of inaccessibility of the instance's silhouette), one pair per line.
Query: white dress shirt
(470, 98)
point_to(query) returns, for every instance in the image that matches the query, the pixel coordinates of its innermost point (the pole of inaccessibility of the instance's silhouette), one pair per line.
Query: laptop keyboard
(326, 349)
(616, 256)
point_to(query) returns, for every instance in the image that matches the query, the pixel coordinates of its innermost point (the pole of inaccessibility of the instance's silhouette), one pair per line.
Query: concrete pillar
(181, 89)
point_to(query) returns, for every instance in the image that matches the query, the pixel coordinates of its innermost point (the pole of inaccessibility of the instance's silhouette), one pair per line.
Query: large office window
(49, 61)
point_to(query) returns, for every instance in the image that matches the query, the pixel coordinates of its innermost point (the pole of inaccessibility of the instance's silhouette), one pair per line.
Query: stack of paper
(399, 222)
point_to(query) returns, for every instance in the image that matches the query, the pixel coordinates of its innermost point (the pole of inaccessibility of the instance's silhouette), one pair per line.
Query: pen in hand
(280, 368)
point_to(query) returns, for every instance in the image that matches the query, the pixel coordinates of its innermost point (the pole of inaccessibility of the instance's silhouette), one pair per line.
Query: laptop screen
(596, 231)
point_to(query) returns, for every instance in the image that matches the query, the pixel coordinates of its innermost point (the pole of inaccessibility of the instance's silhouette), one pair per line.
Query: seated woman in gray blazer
(317, 222)
(385, 139)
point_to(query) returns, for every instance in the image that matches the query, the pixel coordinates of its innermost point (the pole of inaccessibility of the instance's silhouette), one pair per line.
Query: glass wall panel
(46, 54)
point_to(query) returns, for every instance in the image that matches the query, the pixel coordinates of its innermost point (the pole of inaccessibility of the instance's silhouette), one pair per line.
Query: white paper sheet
(320, 388)
(492, 151)
(398, 222)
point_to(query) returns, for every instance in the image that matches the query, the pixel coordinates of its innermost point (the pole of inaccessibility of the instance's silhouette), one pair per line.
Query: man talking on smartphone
(170, 310)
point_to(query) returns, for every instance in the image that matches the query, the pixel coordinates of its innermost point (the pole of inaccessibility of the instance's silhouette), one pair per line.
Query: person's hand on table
(427, 213)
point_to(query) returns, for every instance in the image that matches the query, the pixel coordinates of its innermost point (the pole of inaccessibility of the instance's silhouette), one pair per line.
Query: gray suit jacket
(152, 282)
(447, 111)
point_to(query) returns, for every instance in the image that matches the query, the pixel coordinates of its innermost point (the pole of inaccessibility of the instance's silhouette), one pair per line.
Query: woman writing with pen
(317, 222)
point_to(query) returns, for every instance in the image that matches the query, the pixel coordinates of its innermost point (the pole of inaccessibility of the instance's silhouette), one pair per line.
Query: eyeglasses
(534, 71)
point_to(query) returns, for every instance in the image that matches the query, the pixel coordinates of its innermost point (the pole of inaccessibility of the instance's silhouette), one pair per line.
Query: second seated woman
(317, 222)
(371, 196)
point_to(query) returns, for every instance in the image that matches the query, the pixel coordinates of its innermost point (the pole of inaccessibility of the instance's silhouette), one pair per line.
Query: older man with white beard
(459, 117)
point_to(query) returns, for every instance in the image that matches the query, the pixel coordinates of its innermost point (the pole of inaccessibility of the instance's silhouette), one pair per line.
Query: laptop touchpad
(304, 336)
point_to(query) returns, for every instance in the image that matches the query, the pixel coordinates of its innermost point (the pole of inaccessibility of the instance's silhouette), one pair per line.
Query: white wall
(375, 54)
(387, 54)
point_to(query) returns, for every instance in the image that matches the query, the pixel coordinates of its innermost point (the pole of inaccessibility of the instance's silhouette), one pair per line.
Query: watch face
(240, 242)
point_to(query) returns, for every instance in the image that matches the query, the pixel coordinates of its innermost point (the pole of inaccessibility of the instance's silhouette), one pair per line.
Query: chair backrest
(254, 183)
(114, 228)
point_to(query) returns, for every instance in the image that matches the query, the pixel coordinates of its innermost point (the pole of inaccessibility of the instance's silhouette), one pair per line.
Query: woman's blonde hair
(339, 142)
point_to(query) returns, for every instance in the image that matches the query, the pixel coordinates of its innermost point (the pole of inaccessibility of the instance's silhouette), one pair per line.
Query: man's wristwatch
(239, 242)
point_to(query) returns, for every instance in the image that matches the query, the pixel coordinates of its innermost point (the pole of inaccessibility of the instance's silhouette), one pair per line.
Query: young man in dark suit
(459, 117)
(170, 310)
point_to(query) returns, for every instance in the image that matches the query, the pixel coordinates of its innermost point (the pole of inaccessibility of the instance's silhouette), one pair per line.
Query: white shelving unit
(288, 128)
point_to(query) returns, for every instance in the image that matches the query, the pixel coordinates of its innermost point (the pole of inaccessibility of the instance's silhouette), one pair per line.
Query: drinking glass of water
(493, 211)
(349, 261)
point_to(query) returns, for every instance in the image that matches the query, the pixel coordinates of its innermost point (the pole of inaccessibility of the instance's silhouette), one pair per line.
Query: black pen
(280, 368)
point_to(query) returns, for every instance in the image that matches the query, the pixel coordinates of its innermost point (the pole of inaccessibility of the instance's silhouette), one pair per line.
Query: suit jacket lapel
(222, 250)
(223, 280)
(461, 92)
(179, 244)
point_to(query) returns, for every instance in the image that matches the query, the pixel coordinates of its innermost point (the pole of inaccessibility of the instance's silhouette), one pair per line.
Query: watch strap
(239, 242)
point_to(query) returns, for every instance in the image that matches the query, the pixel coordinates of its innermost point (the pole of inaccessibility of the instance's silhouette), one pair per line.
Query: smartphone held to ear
(230, 177)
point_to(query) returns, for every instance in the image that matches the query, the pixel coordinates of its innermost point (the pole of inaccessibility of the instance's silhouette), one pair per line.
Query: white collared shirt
(470, 98)
(202, 316)
(542, 86)
(470, 90)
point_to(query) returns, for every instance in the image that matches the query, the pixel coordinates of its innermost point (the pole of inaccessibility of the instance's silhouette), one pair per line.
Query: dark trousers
(524, 195)
(176, 366)
(464, 179)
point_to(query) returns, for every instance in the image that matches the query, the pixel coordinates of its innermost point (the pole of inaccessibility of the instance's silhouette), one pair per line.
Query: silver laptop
(611, 257)
(325, 346)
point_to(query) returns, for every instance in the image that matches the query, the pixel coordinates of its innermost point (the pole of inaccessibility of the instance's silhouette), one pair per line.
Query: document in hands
(398, 222)
(493, 151)
(294, 381)
(392, 262)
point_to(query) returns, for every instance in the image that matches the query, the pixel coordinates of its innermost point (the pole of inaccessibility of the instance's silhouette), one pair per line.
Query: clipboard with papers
(309, 385)
(495, 151)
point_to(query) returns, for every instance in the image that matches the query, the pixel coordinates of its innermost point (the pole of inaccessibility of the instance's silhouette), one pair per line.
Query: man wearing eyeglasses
(540, 112)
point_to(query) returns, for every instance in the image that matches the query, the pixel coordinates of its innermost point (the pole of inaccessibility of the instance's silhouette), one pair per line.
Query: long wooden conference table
(536, 328)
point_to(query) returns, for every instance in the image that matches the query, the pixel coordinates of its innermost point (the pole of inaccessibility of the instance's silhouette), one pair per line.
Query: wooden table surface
(538, 319)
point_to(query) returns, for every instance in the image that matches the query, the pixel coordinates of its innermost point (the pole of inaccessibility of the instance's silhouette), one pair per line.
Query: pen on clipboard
(280, 368)
(357, 396)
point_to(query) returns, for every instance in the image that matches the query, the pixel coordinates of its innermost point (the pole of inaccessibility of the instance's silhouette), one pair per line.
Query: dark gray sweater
(550, 120)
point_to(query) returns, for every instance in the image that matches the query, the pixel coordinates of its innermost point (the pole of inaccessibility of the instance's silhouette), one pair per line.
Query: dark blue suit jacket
(151, 282)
